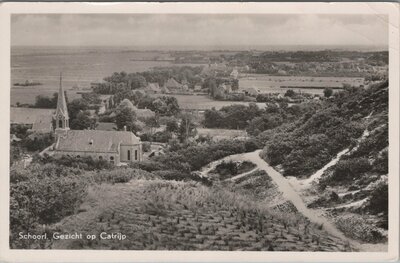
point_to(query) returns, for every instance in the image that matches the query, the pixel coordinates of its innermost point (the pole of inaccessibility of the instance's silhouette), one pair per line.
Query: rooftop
(95, 140)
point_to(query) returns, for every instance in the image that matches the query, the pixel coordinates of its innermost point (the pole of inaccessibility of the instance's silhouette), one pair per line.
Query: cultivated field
(157, 214)
(272, 84)
(203, 102)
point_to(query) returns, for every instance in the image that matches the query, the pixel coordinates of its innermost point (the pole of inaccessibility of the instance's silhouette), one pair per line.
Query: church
(117, 147)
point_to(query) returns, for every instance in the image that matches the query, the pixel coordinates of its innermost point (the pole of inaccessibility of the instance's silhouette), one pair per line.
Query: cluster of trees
(192, 157)
(45, 102)
(122, 81)
(316, 137)
(231, 117)
(212, 86)
(162, 105)
(254, 119)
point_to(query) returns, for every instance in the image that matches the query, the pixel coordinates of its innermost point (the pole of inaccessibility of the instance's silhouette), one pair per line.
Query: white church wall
(132, 148)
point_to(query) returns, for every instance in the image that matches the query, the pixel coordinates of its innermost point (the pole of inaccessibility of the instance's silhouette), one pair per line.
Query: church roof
(94, 140)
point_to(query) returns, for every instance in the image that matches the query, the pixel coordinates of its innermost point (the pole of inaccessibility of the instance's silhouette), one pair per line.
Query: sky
(153, 30)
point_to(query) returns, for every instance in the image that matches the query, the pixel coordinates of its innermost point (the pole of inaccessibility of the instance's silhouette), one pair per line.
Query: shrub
(181, 176)
(148, 166)
(146, 147)
(193, 158)
(120, 175)
(84, 163)
(42, 200)
(38, 142)
(351, 168)
(378, 201)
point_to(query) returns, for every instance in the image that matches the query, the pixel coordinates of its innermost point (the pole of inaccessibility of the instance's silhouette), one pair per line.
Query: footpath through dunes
(291, 194)
(169, 215)
(288, 193)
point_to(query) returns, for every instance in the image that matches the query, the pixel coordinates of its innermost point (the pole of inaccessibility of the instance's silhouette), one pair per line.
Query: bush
(146, 147)
(148, 166)
(120, 175)
(378, 201)
(181, 176)
(193, 158)
(84, 163)
(346, 170)
(43, 199)
(38, 142)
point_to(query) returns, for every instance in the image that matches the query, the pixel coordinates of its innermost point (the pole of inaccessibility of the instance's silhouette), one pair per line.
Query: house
(141, 114)
(175, 87)
(165, 90)
(197, 88)
(14, 138)
(251, 91)
(213, 69)
(153, 88)
(234, 74)
(222, 90)
(107, 101)
(116, 147)
(39, 120)
(172, 84)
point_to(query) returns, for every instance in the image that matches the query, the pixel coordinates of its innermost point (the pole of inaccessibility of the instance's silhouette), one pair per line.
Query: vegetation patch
(229, 169)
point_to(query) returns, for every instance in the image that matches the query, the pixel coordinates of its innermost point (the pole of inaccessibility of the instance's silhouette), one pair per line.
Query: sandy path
(290, 194)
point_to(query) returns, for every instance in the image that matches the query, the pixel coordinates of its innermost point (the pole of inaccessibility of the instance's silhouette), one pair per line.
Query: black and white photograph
(151, 131)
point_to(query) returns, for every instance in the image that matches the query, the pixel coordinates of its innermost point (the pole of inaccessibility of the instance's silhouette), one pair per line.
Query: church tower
(61, 116)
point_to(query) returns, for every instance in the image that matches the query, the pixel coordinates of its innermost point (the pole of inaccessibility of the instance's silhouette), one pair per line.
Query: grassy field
(202, 102)
(220, 134)
(170, 215)
(271, 84)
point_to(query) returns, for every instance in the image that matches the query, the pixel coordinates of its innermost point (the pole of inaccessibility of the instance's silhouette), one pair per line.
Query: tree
(125, 117)
(136, 81)
(290, 93)
(172, 125)
(328, 92)
(186, 128)
(82, 121)
(152, 123)
(210, 84)
(213, 118)
(75, 107)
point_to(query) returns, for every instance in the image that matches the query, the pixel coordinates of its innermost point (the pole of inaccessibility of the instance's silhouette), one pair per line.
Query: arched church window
(129, 155)
(60, 125)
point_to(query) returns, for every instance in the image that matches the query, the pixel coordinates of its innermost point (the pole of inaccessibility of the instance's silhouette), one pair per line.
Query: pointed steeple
(61, 102)
(62, 118)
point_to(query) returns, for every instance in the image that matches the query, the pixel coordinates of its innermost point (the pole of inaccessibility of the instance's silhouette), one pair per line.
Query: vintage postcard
(199, 132)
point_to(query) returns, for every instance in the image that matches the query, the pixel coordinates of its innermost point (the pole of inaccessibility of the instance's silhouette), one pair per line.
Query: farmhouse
(153, 88)
(251, 91)
(141, 114)
(114, 146)
(175, 87)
